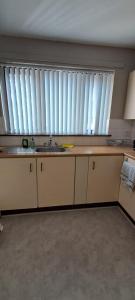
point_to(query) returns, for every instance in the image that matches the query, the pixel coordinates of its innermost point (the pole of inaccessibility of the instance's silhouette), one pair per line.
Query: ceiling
(104, 22)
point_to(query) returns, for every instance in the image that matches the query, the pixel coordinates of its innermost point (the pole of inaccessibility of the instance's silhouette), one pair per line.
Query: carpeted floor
(71, 255)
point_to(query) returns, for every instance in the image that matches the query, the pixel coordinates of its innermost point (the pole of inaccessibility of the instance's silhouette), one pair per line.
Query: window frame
(66, 67)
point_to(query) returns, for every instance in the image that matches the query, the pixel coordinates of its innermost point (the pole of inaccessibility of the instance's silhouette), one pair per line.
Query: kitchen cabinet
(81, 178)
(55, 181)
(127, 198)
(18, 183)
(104, 178)
(130, 100)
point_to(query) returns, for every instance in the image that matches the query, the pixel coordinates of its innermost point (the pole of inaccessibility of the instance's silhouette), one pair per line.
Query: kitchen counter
(7, 152)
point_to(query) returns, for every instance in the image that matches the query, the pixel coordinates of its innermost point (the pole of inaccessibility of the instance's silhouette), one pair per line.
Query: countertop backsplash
(40, 140)
(121, 131)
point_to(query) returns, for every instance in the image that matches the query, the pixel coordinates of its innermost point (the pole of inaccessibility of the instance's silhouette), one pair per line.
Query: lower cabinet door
(18, 187)
(55, 181)
(127, 197)
(127, 200)
(104, 178)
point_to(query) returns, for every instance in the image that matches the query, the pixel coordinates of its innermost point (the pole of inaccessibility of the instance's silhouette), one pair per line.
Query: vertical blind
(50, 101)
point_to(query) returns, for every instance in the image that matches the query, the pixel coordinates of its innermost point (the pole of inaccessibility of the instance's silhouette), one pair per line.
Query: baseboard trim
(67, 207)
(126, 213)
(58, 208)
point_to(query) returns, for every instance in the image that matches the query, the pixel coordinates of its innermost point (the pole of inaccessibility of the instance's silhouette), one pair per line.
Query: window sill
(57, 135)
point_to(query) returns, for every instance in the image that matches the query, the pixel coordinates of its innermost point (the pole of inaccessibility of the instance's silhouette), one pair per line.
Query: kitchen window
(55, 101)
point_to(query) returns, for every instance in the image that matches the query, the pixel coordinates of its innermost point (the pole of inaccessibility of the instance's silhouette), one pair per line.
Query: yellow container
(67, 145)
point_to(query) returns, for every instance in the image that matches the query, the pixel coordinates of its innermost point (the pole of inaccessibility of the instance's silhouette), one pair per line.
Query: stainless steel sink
(21, 150)
(17, 150)
(50, 149)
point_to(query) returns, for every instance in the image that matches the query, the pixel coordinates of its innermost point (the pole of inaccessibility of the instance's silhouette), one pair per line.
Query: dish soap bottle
(32, 142)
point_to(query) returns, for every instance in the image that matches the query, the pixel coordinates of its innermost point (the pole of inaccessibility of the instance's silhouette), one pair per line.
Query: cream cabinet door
(81, 178)
(127, 198)
(130, 100)
(104, 178)
(17, 183)
(55, 181)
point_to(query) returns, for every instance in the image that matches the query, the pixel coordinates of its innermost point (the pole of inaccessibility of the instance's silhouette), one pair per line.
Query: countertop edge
(80, 151)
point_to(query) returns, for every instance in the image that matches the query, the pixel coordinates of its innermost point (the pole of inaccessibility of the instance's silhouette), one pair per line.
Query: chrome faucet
(51, 142)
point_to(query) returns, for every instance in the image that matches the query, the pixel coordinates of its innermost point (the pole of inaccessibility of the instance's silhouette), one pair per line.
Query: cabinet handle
(41, 167)
(93, 165)
(30, 167)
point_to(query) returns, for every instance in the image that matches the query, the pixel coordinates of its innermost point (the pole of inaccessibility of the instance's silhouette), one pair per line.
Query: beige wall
(122, 60)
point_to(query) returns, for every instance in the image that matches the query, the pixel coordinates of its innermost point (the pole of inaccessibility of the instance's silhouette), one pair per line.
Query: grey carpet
(71, 255)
